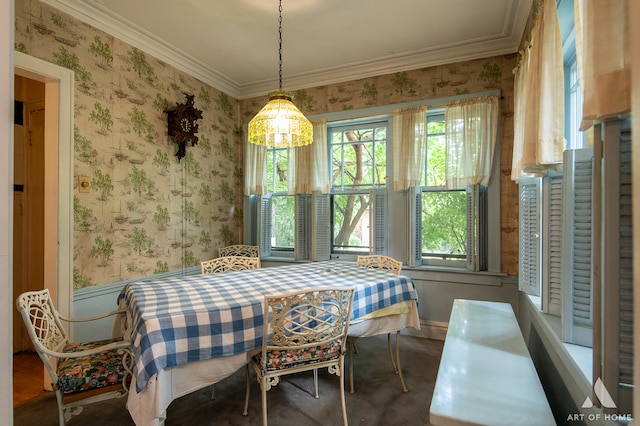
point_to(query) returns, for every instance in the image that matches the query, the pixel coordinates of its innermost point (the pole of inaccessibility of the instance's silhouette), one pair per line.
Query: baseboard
(436, 330)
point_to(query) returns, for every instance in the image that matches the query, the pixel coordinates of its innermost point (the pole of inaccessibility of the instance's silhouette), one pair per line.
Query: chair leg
(393, 362)
(61, 410)
(344, 404)
(399, 371)
(213, 391)
(263, 386)
(351, 348)
(247, 391)
(315, 382)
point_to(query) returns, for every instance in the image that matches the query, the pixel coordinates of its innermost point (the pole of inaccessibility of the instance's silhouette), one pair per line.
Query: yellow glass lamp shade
(280, 124)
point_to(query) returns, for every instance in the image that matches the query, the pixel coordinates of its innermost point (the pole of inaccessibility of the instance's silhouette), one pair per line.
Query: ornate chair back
(229, 263)
(377, 261)
(239, 250)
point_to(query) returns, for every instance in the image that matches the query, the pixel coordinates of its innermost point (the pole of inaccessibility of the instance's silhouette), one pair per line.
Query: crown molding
(382, 66)
(95, 15)
(124, 30)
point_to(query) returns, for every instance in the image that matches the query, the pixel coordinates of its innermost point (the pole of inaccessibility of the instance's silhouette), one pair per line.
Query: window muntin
(358, 165)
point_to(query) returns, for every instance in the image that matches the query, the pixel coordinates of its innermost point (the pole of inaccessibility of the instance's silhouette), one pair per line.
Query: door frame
(58, 238)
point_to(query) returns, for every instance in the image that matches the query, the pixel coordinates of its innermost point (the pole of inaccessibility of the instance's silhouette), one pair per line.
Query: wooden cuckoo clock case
(182, 125)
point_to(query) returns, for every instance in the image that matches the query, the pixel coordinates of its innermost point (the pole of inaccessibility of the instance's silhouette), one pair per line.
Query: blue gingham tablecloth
(179, 320)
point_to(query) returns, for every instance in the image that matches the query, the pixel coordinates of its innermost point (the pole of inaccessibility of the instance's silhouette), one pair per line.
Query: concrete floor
(378, 397)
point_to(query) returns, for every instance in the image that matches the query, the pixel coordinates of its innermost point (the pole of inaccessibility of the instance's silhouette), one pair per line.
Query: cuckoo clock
(182, 125)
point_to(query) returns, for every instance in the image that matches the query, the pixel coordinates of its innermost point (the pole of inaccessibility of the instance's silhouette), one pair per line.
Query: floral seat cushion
(89, 372)
(287, 358)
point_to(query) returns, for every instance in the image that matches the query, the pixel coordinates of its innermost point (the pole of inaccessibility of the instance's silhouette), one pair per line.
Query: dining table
(192, 331)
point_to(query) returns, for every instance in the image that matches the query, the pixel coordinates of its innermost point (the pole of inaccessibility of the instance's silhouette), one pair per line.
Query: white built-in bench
(486, 375)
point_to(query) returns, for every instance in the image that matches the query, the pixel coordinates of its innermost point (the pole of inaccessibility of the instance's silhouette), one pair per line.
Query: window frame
(377, 193)
(476, 241)
(266, 203)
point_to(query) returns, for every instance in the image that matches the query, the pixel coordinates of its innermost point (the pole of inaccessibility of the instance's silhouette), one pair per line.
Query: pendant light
(279, 123)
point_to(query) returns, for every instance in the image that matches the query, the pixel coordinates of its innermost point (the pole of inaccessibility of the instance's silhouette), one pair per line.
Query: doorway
(51, 163)
(28, 226)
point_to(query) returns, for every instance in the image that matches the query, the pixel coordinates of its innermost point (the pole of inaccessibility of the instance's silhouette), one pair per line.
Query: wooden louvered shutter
(529, 238)
(302, 245)
(250, 212)
(414, 213)
(617, 265)
(476, 228)
(264, 226)
(577, 273)
(552, 251)
(625, 289)
(320, 226)
(379, 221)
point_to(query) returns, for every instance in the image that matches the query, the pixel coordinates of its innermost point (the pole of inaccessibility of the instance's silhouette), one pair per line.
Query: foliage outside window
(358, 166)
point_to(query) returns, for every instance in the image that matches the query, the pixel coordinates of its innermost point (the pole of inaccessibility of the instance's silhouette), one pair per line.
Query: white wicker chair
(81, 373)
(229, 263)
(306, 330)
(391, 265)
(239, 250)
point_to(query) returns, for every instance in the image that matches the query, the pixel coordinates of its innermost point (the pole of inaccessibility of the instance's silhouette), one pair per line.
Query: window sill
(582, 356)
(455, 269)
(266, 261)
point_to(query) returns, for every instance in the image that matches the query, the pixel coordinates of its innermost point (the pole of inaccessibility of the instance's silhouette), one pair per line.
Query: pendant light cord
(280, 44)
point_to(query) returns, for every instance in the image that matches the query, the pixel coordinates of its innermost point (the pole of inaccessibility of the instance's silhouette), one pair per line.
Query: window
(444, 213)
(363, 213)
(358, 183)
(573, 106)
(452, 231)
(576, 238)
(562, 236)
(278, 208)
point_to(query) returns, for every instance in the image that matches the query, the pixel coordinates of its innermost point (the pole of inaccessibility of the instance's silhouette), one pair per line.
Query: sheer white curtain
(409, 147)
(539, 98)
(320, 181)
(311, 163)
(255, 171)
(471, 132)
(603, 56)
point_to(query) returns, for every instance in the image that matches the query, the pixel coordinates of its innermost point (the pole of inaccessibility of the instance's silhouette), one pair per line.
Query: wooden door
(28, 228)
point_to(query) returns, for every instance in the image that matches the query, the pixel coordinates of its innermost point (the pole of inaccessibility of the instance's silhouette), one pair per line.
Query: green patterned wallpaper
(146, 212)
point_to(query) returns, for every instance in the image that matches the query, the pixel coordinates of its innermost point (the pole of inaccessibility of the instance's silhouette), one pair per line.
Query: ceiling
(233, 44)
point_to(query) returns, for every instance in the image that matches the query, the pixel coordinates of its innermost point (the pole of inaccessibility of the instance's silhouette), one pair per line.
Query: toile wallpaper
(146, 212)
